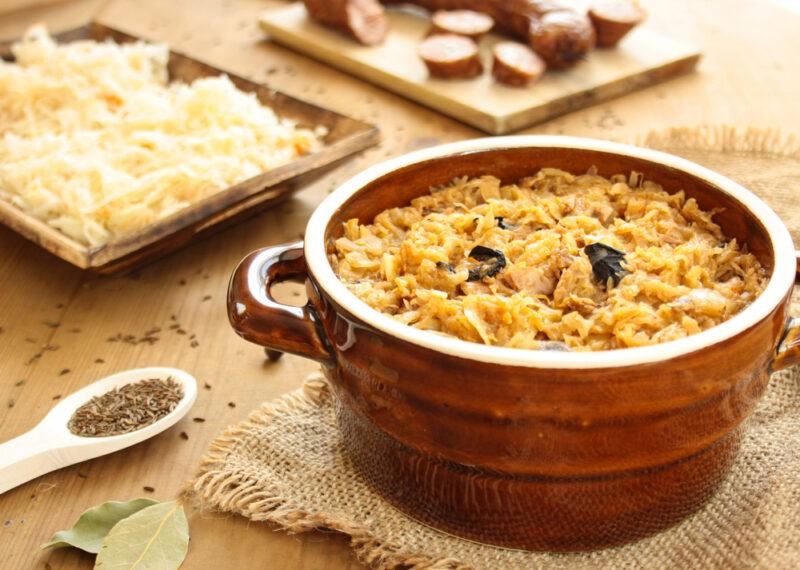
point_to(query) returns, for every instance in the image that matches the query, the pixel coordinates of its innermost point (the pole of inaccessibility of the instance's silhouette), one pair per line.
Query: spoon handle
(26, 457)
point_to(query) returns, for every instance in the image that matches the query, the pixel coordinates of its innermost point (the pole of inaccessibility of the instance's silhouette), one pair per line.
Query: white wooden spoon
(50, 445)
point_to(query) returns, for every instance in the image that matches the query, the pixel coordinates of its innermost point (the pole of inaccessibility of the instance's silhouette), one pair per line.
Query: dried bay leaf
(155, 538)
(94, 524)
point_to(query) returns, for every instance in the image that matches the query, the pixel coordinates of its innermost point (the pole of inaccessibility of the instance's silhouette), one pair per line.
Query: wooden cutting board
(642, 59)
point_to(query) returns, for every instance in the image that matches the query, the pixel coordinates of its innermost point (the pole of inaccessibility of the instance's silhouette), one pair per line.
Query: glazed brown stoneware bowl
(521, 448)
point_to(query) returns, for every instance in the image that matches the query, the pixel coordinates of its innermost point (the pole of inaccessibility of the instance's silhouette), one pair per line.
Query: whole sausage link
(512, 16)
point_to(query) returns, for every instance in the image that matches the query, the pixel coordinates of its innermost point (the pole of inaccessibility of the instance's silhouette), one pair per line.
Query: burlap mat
(286, 464)
(764, 160)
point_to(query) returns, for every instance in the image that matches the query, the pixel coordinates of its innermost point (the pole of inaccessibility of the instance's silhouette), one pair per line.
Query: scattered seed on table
(19, 382)
(206, 385)
(207, 298)
(64, 371)
(198, 420)
(51, 324)
(180, 331)
(182, 282)
(148, 488)
(59, 305)
(30, 340)
(184, 435)
(74, 330)
(50, 347)
(133, 340)
(174, 327)
(57, 397)
(11, 402)
(173, 318)
(2, 330)
(33, 358)
(231, 404)
(83, 475)
(99, 361)
(194, 344)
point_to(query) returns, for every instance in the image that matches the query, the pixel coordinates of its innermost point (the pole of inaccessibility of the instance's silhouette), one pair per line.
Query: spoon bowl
(50, 445)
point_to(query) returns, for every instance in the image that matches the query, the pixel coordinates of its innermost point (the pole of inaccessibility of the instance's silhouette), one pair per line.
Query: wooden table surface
(55, 321)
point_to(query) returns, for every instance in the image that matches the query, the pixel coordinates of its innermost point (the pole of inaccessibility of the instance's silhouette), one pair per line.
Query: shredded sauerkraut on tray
(97, 143)
(555, 261)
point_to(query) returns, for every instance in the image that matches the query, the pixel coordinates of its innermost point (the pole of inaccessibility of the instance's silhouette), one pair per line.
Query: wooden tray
(345, 137)
(642, 59)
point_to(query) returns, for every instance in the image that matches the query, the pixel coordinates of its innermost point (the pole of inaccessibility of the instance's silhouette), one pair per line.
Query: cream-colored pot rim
(779, 284)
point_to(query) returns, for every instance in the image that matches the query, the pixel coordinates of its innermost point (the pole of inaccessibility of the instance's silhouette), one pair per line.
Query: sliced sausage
(560, 34)
(365, 20)
(613, 19)
(562, 38)
(516, 64)
(451, 57)
(461, 22)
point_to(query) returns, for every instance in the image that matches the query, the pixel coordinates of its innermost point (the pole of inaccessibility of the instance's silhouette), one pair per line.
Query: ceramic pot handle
(788, 352)
(259, 318)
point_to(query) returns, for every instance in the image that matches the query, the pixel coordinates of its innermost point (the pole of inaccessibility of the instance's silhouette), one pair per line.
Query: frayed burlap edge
(723, 139)
(215, 487)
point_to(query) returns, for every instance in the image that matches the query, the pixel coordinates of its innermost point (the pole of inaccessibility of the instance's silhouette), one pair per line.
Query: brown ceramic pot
(528, 449)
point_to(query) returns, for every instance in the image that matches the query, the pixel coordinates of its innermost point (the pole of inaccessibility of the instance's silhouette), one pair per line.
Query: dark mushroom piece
(492, 262)
(606, 263)
(503, 224)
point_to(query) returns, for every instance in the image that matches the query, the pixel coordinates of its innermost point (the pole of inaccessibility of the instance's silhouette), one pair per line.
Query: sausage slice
(451, 57)
(516, 64)
(365, 20)
(613, 19)
(562, 38)
(461, 22)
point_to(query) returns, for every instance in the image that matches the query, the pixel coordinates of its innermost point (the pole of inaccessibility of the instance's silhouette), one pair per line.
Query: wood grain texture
(344, 137)
(60, 14)
(736, 84)
(643, 59)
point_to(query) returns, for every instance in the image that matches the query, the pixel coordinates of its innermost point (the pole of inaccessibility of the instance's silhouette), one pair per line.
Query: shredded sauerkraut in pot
(430, 265)
(97, 143)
